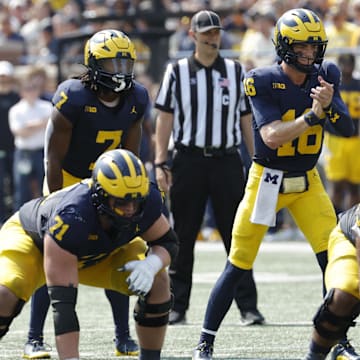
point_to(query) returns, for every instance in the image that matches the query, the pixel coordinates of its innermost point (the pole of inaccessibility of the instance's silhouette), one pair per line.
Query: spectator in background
(31, 30)
(8, 97)
(39, 75)
(48, 44)
(257, 48)
(342, 171)
(339, 30)
(235, 24)
(12, 43)
(27, 120)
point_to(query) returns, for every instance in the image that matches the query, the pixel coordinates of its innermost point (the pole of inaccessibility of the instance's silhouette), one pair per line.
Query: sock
(220, 300)
(149, 354)
(120, 310)
(317, 349)
(40, 303)
(208, 338)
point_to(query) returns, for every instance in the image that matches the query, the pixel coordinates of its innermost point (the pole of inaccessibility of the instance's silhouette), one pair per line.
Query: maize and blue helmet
(299, 26)
(110, 57)
(119, 174)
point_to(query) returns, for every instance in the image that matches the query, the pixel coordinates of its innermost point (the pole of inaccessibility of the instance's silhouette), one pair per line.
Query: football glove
(142, 273)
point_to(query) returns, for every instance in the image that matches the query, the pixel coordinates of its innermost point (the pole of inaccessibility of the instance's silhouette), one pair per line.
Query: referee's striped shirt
(206, 102)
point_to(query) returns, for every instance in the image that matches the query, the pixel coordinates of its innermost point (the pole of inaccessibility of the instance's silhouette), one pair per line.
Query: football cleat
(35, 349)
(251, 317)
(126, 347)
(344, 351)
(203, 351)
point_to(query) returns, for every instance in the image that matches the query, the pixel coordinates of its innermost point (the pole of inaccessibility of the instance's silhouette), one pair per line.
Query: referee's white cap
(205, 20)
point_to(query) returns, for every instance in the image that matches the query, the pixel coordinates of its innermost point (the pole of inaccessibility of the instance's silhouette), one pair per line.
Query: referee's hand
(163, 178)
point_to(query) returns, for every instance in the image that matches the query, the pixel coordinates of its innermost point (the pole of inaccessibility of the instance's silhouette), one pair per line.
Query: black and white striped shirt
(206, 102)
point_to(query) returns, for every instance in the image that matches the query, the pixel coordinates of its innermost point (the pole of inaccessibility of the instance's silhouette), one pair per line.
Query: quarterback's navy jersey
(273, 96)
(348, 220)
(96, 127)
(71, 219)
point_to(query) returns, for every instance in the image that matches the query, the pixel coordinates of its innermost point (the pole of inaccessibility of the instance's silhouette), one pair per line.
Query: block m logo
(271, 178)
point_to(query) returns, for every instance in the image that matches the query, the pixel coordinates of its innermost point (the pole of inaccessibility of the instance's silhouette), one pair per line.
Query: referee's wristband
(311, 118)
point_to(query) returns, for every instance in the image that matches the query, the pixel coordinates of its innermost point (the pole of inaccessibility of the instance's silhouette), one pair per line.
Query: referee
(201, 101)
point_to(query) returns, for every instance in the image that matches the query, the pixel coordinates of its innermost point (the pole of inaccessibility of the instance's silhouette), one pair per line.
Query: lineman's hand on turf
(142, 273)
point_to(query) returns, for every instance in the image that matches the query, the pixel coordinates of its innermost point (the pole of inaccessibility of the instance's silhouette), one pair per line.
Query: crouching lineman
(342, 303)
(88, 234)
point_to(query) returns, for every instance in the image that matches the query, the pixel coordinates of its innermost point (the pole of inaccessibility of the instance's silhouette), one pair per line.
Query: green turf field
(289, 290)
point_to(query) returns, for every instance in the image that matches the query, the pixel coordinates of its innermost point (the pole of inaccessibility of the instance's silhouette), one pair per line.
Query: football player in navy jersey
(106, 231)
(291, 102)
(341, 171)
(342, 303)
(100, 110)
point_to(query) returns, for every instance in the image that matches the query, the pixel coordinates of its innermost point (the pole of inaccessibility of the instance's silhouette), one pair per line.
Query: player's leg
(35, 348)
(341, 305)
(152, 316)
(21, 271)
(124, 344)
(246, 239)
(228, 174)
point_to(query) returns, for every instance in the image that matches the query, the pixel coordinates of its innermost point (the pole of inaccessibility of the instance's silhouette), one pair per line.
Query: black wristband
(163, 166)
(327, 108)
(311, 118)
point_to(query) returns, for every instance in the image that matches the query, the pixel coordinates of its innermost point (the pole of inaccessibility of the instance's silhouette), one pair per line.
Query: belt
(208, 151)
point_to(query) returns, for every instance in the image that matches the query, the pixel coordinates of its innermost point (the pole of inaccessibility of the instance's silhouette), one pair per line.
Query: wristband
(163, 166)
(328, 108)
(311, 118)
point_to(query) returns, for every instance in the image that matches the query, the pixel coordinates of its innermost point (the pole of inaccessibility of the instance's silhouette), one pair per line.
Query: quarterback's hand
(142, 273)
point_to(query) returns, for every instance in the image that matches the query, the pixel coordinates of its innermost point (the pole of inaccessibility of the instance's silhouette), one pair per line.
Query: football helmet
(299, 26)
(109, 56)
(120, 175)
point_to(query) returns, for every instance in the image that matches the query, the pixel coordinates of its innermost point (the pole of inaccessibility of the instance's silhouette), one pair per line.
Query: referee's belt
(208, 151)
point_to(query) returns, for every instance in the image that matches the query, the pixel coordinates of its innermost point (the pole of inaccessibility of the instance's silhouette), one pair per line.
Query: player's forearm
(164, 125)
(54, 178)
(280, 132)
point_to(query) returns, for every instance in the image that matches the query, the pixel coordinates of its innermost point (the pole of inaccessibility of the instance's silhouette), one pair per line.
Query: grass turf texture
(289, 293)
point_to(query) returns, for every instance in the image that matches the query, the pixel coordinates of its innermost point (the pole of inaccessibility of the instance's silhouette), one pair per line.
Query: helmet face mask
(110, 57)
(299, 26)
(119, 179)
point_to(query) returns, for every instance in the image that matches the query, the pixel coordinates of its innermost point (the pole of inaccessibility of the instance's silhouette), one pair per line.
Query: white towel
(264, 211)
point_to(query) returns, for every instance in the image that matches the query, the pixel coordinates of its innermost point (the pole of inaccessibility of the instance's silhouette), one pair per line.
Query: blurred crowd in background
(41, 43)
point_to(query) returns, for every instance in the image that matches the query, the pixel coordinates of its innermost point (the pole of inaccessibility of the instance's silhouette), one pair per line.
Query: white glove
(142, 273)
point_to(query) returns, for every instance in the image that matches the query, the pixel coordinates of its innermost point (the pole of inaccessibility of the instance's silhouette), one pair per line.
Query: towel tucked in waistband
(264, 211)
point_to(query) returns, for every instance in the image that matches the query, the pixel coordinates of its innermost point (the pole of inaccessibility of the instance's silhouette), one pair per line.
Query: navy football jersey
(273, 96)
(71, 219)
(96, 127)
(350, 93)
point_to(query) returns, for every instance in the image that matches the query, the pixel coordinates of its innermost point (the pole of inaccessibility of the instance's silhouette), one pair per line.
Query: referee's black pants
(195, 179)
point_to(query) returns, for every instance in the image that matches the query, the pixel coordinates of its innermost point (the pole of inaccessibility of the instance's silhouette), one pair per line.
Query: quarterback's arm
(57, 142)
(246, 131)
(163, 129)
(61, 271)
(280, 132)
(133, 137)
